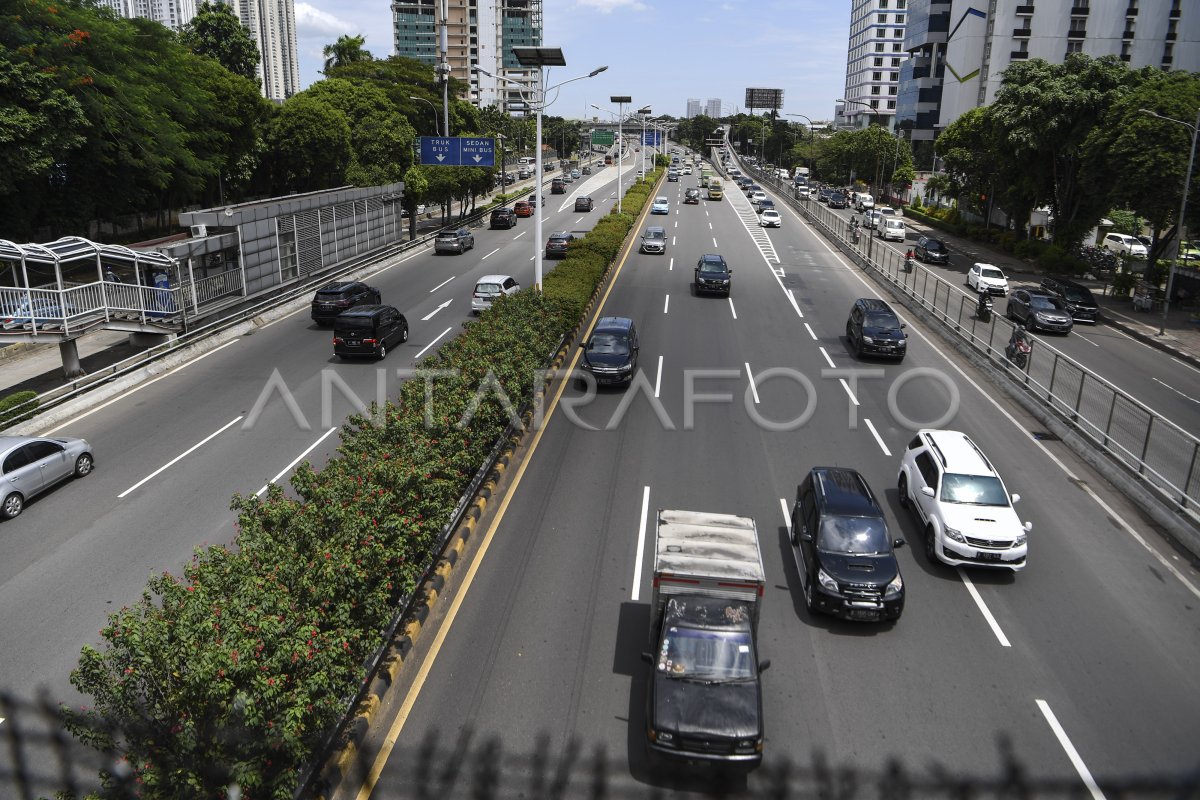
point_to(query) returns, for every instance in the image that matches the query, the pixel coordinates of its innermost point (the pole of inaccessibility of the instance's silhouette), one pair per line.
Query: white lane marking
(519, 235)
(732, 310)
(184, 454)
(417, 357)
(878, 438)
(641, 546)
(137, 388)
(808, 328)
(828, 360)
(753, 388)
(1072, 753)
(443, 283)
(983, 609)
(429, 316)
(1079, 335)
(1167, 565)
(666, 302)
(658, 377)
(546, 218)
(297, 460)
(792, 299)
(1184, 364)
(671, 264)
(1173, 389)
(710, 227)
(715, 242)
(672, 241)
(579, 220)
(846, 386)
(497, 250)
(531, 258)
(787, 517)
(676, 223)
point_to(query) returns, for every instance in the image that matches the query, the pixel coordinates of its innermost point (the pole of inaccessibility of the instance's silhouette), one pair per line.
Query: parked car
(844, 553)
(334, 298)
(654, 240)
(986, 276)
(456, 241)
(30, 465)
(1039, 311)
(1076, 297)
(691, 196)
(1122, 243)
(557, 244)
(522, 209)
(502, 217)
(368, 331)
(931, 251)
(489, 288)
(611, 352)
(770, 218)
(874, 329)
(660, 206)
(713, 275)
(961, 502)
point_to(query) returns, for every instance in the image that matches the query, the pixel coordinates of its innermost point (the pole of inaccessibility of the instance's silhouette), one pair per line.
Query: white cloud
(312, 21)
(609, 6)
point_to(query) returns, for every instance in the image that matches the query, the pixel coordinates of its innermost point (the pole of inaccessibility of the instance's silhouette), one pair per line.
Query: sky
(659, 52)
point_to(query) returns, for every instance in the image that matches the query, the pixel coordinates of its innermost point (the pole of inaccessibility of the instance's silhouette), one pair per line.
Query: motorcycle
(908, 264)
(984, 309)
(854, 234)
(1017, 350)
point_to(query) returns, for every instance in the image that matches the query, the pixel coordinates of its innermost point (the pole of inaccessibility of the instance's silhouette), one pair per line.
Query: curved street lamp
(435, 116)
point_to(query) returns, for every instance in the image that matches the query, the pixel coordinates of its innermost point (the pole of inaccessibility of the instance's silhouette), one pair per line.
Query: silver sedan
(31, 465)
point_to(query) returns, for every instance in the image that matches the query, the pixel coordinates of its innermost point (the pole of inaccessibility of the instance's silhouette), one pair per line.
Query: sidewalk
(1181, 335)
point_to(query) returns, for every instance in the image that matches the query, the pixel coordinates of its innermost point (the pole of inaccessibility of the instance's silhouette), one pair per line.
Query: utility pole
(443, 67)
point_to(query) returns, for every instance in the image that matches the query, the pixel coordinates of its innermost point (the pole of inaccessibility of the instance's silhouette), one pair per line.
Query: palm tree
(346, 50)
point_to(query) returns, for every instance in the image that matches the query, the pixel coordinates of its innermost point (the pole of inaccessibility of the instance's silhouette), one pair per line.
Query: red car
(522, 209)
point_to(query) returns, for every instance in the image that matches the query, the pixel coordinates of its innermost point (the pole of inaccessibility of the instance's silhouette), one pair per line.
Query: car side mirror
(648, 658)
(903, 325)
(899, 543)
(583, 345)
(927, 491)
(1016, 498)
(1028, 527)
(764, 665)
(805, 535)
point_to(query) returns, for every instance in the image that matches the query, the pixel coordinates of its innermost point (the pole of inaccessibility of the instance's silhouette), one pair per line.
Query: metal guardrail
(1162, 454)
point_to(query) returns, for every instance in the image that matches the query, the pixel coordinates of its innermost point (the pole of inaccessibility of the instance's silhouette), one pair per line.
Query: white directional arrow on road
(429, 316)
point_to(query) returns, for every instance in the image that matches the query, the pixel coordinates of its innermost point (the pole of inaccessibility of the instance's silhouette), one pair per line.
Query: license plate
(864, 614)
(987, 556)
(353, 342)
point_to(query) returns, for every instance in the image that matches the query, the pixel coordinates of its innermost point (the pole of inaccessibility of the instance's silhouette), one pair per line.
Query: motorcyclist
(909, 258)
(984, 302)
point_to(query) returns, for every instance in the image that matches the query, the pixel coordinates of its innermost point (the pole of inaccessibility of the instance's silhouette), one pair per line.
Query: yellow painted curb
(368, 707)
(345, 758)
(412, 628)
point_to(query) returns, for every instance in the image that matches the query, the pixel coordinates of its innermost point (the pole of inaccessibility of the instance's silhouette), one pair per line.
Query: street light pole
(436, 131)
(1187, 186)
(644, 112)
(620, 100)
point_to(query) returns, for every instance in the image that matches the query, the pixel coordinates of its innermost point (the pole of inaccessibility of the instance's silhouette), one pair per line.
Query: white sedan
(770, 219)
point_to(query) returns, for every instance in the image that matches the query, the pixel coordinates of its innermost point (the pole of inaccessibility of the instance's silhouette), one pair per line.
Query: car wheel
(930, 544)
(1029, 324)
(902, 488)
(13, 505)
(83, 465)
(382, 352)
(809, 605)
(404, 336)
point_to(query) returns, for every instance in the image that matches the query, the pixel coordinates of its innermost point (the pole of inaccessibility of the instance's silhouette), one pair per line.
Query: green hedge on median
(17, 407)
(236, 669)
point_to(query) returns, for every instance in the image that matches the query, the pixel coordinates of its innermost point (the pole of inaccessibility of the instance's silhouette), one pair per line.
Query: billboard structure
(764, 98)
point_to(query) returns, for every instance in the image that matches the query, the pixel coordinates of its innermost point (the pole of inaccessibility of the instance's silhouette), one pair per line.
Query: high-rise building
(713, 108)
(480, 33)
(960, 49)
(693, 107)
(873, 63)
(173, 14)
(272, 25)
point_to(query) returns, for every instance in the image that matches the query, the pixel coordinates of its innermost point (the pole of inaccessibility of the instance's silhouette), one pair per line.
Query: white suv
(958, 496)
(987, 276)
(1123, 243)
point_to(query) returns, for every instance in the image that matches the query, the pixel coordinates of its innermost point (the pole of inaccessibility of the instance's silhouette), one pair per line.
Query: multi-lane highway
(172, 452)
(1083, 663)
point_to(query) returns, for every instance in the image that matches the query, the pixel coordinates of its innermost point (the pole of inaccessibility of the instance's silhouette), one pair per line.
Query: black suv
(558, 186)
(503, 217)
(557, 244)
(334, 298)
(368, 331)
(931, 251)
(611, 353)
(583, 203)
(874, 329)
(844, 554)
(1077, 298)
(713, 275)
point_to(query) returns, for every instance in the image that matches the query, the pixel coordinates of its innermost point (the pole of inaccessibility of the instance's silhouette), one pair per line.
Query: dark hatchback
(611, 353)
(874, 329)
(334, 298)
(1038, 310)
(844, 553)
(558, 243)
(583, 203)
(691, 196)
(1075, 296)
(368, 331)
(838, 200)
(713, 275)
(931, 251)
(503, 217)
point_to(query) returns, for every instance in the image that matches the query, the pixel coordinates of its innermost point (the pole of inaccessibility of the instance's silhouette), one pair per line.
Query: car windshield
(711, 266)
(992, 273)
(881, 320)
(487, 288)
(933, 244)
(328, 297)
(855, 535)
(1077, 295)
(698, 654)
(655, 235)
(979, 490)
(609, 343)
(354, 324)
(1047, 303)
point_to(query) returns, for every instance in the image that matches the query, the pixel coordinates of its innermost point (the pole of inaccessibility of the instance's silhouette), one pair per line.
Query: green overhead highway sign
(605, 138)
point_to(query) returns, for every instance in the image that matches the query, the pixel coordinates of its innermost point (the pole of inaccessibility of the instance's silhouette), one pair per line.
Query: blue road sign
(458, 151)
(652, 138)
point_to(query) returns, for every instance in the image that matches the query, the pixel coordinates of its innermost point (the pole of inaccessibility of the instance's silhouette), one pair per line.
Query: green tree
(310, 145)
(216, 32)
(40, 124)
(381, 139)
(346, 50)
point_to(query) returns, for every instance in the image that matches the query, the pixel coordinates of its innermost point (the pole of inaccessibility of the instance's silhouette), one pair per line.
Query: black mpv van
(874, 329)
(368, 331)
